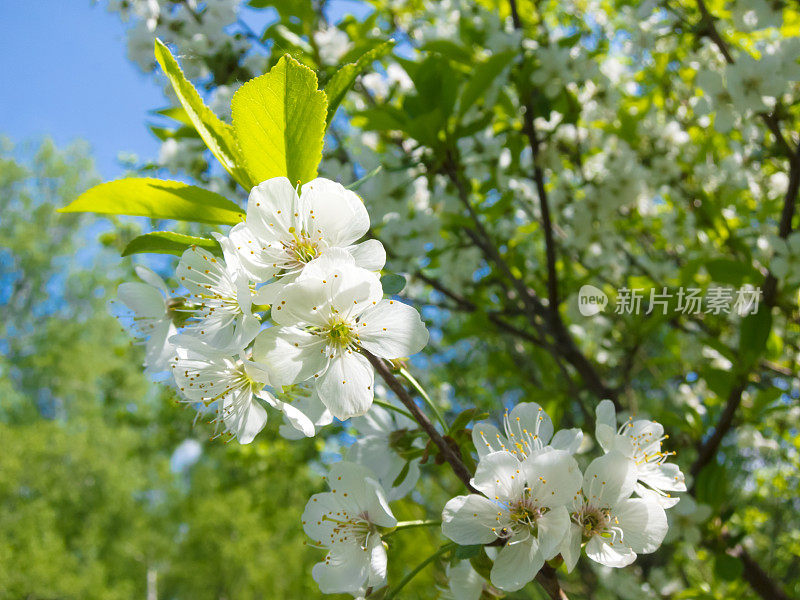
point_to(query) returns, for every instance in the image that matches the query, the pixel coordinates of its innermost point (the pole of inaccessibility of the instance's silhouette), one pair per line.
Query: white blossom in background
(463, 582)
(527, 429)
(236, 389)
(717, 99)
(305, 399)
(640, 441)
(223, 319)
(685, 520)
(151, 321)
(333, 44)
(332, 310)
(346, 521)
(524, 505)
(752, 83)
(285, 231)
(373, 449)
(614, 526)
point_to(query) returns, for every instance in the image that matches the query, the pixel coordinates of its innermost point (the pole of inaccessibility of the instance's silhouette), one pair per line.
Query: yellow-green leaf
(216, 134)
(168, 242)
(343, 79)
(279, 122)
(157, 199)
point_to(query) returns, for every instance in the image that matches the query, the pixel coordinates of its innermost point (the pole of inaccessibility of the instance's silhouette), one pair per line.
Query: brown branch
(758, 579)
(445, 449)
(544, 207)
(546, 576)
(708, 449)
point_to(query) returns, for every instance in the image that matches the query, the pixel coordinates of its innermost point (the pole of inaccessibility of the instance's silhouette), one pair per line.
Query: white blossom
(524, 505)
(151, 321)
(285, 231)
(373, 448)
(346, 521)
(527, 429)
(640, 441)
(333, 309)
(614, 526)
(223, 319)
(233, 387)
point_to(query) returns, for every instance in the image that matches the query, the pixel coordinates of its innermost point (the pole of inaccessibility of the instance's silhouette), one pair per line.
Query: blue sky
(65, 74)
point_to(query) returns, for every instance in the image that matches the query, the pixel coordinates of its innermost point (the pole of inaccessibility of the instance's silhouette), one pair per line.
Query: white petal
(377, 561)
(369, 255)
(553, 526)
(464, 582)
(516, 565)
(244, 417)
(337, 215)
(532, 418)
(301, 302)
(159, 349)
(663, 476)
(609, 554)
(376, 505)
(292, 354)
(499, 476)
(666, 501)
(345, 570)
(567, 439)
(298, 419)
(571, 546)
(255, 260)
(487, 439)
(609, 479)
(469, 520)
(392, 329)
(271, 209)
(150, 277)
(606, 426)
(554, 477)
(643, 522)
(143, 299)
(346, 385)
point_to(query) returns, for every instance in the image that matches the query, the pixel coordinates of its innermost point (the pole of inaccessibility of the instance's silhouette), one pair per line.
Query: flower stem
(396, 409)
(442, 550)
(411, 525)
(449, 453)
(421, 391)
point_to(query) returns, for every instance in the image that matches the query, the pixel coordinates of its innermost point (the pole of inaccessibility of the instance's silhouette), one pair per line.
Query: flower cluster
(295, 264)
(535, 503)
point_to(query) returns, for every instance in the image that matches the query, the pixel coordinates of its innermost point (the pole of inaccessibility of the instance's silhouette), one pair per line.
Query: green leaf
(169, 242)
(482, 77)
(754, 333)
(359, 182)
(279, 122)
(735, 272)
(216, 134)
(727, 567)
(467, 552)
(157, 199)
(343, 79)
(176, 113)
(401, 477)
(393, 283)
(463, 419)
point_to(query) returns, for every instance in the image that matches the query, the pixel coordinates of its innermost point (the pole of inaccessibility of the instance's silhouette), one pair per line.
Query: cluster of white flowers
(535, 503)
(294, 261)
